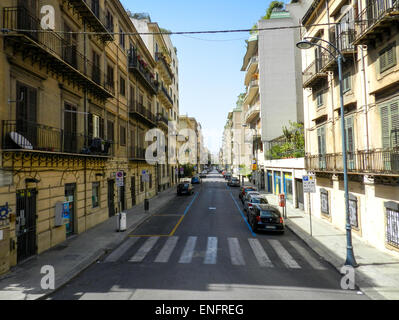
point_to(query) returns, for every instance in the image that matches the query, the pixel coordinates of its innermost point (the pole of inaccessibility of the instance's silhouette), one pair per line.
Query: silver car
(252, 199)
(249, 193)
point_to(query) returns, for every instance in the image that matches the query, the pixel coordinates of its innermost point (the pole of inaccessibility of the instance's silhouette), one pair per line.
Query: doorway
(25, 226)
(133, 190)
(111, 198)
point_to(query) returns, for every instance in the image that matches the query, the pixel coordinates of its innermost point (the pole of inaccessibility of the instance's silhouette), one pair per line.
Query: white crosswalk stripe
(211, 251)
(311, 260)
(116, 254)
(167, 250)
(143, 251)
(236, 256)
(260, 253)
(236, 253)
(283, 254)
(188, 250)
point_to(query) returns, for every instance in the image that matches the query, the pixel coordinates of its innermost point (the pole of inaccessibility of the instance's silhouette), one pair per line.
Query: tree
(273, 5)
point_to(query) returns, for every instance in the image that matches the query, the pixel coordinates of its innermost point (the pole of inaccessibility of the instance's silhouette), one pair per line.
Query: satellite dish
(20, 140)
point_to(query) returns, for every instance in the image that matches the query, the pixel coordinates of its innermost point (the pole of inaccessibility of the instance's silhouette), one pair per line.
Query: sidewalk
(378, 272)
(75, 254)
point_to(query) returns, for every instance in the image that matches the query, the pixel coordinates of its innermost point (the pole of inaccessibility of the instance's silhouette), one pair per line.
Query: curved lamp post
(306, 44)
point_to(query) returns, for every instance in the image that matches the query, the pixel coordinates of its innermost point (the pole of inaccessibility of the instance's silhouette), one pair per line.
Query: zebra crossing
(267, 253)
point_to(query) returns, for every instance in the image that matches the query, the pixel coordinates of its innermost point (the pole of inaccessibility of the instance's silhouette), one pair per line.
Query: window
(95, 198)
(122, 89)
(321, 142)
(387, 57)
(121, 39)
(324, 201)
(392, 223)
(110, 22)
(122, 136)
(390, 124)
(110, 130)
(346, 82)
(319, 98)
(110, 76)
(353, 212)
(95, 126)
(350, 145)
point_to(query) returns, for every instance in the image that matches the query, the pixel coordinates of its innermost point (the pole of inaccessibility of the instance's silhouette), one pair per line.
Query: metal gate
(26, 224)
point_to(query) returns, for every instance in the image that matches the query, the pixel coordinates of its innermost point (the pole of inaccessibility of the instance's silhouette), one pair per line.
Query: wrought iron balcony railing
(375, 14)
(377, 161)
(313, 73)
(51, 50)
(32, 136)
(160, 57)
(144, 113)
(137, 153)
(146, 76)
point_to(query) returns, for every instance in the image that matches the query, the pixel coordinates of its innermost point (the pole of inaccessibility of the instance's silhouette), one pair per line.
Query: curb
(362, 284)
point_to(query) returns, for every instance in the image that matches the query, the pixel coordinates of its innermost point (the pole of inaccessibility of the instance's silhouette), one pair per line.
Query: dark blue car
(195, 180)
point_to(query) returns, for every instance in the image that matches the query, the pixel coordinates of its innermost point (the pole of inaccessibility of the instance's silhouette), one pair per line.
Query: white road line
(283, 254)
(311, 260)
(260, 253)
(145, 248)
(211, 251)
(116, 254)
(236, 256)
(167, 250)
(188, 250)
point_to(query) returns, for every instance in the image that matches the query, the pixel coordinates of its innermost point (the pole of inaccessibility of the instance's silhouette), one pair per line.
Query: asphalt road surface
(200, 247)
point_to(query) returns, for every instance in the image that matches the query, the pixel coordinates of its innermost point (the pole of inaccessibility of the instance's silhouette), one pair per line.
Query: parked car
(243, 191)
(245, 197)
(203, 174)
(252, 199)
(265, 217)
(185, 187)
(234, 182)
(227, 176)
(195, 180)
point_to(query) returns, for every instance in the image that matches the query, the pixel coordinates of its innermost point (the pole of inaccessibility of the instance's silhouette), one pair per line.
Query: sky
(209, 64)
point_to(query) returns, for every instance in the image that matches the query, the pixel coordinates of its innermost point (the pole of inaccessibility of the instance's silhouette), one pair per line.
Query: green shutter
(394, 128)
(385, 126)
(387, 57)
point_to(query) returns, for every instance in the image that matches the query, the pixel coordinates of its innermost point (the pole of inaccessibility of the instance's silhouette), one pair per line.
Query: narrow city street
(201, 247)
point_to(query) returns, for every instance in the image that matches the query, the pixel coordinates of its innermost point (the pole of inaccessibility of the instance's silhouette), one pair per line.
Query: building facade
(367, 35)
(75, 109)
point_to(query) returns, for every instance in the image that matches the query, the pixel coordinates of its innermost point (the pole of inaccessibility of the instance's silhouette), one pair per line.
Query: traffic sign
(309, 183)
(119, 179)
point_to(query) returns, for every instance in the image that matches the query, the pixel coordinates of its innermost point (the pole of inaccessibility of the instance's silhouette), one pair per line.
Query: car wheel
(254, 228)
(281, 232)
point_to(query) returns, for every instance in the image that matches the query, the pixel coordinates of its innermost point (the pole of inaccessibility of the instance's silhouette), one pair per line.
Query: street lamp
(306, 44)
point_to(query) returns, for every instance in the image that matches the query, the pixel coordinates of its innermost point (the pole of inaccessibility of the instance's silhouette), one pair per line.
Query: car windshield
(186, 185)
(270, 213)
(259, 200)
(234, 179)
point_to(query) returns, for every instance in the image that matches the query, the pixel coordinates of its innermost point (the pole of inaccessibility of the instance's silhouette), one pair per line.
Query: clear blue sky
(209, 65)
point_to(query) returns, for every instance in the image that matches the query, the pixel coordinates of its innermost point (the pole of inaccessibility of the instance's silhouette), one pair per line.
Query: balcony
(94, 16)
(138, 67)
(344, 43)
(164, 96)
(252, 113)
(141, 113)
(164, 68)
(162, 120)
(137, 154)
(375, 20)
(51, 52)
(312, 76)
(377, 161)
(253, 88)
(29, 136)
(251, 69)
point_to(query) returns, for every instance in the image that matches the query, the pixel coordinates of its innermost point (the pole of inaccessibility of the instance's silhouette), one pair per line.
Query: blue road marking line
(188, 207)
(242, 215)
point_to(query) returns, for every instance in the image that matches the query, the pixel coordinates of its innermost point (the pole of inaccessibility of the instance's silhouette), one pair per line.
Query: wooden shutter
(349, 134)
(385, 124)
(394, 128)
(102, 135)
